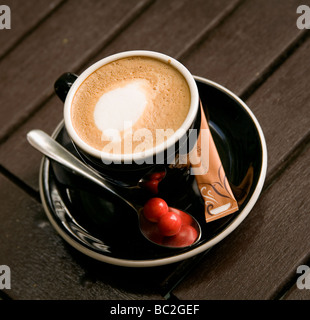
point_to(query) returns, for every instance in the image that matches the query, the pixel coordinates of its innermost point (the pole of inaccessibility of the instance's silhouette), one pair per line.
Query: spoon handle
(52, 149)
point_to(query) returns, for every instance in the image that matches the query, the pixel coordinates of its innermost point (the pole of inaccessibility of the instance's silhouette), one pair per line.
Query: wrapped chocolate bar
(211, 179)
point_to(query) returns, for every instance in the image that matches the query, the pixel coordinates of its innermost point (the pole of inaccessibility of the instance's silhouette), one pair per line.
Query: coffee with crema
(130, 105)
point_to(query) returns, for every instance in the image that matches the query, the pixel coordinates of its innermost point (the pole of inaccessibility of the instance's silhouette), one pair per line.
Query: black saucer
(95, 223)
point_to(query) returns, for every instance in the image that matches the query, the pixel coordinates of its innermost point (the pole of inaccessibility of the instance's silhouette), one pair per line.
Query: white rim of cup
(149, 152)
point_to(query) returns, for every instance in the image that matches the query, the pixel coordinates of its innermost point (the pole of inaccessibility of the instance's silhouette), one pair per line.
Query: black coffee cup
(129, 170)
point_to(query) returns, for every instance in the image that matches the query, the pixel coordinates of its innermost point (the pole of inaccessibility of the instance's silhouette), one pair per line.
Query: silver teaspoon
(53, 150)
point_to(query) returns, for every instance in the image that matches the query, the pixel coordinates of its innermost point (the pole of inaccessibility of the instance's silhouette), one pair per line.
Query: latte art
(128, 100)
(121, 106)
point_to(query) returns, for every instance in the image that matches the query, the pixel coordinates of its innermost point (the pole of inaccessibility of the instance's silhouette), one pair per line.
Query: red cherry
(185, 237)
(169, 224)
(186, 218)
(151, 185)
(157, 175)
(154, 209)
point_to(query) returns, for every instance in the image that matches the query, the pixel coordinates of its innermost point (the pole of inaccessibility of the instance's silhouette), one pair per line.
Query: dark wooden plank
(144, 33)
(63, 42)
(282, 107)
(246, 44)
(18, 156)
(25, 16)
(258, 259)
(45, 267)
(171, 27)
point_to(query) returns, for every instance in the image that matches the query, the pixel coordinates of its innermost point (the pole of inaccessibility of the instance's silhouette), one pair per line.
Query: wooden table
(252, 47)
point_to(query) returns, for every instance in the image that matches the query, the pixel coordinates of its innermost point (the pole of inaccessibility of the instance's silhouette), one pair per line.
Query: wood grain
(238, 51)
(25, 17)
(281, 105)
(171, 27)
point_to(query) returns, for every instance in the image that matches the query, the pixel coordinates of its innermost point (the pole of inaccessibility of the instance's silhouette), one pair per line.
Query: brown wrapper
(210, 176)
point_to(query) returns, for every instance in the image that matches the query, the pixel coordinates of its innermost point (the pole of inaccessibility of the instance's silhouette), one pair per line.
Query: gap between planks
(28, 32)
(207, 32)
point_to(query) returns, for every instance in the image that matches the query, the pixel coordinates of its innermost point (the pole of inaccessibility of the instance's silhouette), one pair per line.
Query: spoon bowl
(53, 150)
(188, 234)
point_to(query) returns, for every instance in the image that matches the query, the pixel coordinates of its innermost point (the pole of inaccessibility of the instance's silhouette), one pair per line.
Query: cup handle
(63, 85)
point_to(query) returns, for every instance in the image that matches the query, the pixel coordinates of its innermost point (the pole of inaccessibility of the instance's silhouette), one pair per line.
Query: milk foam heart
(120, 106)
